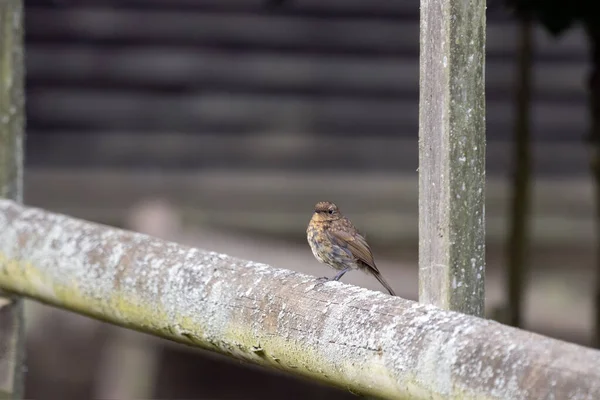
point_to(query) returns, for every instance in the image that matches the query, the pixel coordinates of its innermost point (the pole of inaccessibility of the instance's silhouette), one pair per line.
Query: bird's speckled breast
(325, 251)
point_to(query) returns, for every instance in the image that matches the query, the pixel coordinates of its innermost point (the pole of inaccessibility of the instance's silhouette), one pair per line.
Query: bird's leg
(336, 277)
(340, 274)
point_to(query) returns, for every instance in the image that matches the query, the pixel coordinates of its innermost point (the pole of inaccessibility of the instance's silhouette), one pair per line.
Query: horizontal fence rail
(361, 340)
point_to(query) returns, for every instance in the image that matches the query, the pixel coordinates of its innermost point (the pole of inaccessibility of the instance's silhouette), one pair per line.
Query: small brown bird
(336, 242)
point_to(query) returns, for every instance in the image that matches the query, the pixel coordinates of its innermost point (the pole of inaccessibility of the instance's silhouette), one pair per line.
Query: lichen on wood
(350, 337)
(11, 182)
(452, 155)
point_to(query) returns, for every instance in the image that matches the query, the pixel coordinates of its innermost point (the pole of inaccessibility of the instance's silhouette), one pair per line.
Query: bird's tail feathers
(383, 282)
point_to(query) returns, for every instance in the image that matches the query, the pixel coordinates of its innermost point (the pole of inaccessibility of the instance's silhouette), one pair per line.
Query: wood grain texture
(452, 155)
(11, 182)
(350, 337)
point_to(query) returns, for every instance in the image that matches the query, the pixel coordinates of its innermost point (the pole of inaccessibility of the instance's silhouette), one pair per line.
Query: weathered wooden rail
(364, 341)
(354, 338)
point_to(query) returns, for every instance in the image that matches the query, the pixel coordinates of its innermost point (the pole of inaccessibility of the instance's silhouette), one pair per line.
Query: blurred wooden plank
(133, 110)
(276, 203)
(281, 32)
(162, 66)
(120, 110)
(245, 71)
(330, 8)
(376, 9)
(174, 67)
(217, 29)
(275, 151)
(256, 190)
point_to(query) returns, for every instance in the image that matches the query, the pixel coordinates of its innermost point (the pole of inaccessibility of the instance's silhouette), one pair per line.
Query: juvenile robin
(336, 242)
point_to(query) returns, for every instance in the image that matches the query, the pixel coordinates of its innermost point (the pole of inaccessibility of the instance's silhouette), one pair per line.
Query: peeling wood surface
(365, 341)
(11, 183)
(452, 155)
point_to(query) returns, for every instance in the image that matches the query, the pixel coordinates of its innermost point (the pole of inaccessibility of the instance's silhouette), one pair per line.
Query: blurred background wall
(220, 123)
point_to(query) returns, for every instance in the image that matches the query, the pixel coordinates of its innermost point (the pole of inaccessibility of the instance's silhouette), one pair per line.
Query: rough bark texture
(452, 155)
(365, 341)
(11, 181)
(518, 239)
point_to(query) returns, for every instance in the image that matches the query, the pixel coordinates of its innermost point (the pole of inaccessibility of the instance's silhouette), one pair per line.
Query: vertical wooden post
(518, 231)
(452, 155)
(12, 123)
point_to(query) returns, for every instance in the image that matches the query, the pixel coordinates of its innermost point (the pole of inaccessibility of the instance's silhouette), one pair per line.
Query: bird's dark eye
(330, 211)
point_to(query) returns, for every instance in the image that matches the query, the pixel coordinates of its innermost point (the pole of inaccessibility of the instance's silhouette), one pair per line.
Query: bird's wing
(355, 243)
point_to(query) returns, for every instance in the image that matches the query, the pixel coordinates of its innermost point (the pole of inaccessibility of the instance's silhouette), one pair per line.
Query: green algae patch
(298, 357)
(25, 278)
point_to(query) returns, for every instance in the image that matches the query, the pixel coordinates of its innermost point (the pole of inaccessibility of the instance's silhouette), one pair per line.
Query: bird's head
(326, 211)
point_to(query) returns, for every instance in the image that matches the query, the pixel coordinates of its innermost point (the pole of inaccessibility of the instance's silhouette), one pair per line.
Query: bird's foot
(322, 280)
